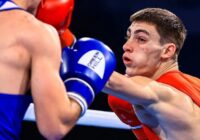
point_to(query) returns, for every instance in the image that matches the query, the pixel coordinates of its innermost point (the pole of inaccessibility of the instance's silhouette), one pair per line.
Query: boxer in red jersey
(154, 94)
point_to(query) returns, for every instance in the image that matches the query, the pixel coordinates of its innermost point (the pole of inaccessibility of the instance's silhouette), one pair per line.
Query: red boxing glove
(126, 114)
(57, 13)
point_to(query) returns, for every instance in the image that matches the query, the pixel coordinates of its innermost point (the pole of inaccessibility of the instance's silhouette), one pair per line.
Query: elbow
(52, 133)
(53, 136)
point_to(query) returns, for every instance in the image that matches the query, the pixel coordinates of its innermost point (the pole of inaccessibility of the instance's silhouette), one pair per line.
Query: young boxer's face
(142, 50)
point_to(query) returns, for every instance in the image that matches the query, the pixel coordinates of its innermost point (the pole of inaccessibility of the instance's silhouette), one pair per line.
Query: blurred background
(107, 20)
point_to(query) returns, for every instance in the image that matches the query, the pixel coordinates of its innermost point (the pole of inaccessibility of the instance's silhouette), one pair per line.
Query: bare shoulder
(36, 35)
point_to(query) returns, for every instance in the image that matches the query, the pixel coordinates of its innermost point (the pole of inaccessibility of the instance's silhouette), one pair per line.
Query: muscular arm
(137, 90)
(56, 114)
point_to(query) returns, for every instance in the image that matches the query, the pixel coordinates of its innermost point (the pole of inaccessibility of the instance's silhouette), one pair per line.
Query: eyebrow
(138, 31)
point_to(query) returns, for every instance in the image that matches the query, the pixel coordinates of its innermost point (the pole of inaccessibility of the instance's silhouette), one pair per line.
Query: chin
(130, 73)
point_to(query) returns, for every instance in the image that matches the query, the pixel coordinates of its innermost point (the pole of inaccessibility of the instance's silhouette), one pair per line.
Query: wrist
(80, 100)
(80, 91)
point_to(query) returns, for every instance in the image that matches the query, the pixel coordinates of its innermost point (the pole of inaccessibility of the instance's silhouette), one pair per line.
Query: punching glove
(57, 13)
(85, 69)
(126, 114)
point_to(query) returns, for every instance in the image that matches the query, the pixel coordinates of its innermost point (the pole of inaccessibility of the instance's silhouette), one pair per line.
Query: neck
(165, 67)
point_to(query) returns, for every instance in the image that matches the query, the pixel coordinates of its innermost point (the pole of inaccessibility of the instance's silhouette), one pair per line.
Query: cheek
(151, 53)
(140, 58)
(146, 57)
(142, 53)
(145, 50)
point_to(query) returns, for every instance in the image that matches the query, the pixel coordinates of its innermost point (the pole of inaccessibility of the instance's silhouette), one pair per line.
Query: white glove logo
(94, 60)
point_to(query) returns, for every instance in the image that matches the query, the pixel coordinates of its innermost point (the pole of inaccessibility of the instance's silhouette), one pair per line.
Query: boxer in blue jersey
(30, 60)
(12, 105)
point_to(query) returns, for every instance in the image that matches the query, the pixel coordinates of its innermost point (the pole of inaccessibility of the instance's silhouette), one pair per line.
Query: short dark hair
(168, 25)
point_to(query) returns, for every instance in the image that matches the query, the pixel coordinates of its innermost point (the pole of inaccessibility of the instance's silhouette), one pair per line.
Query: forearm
(114, 85)
(60, 119)
(134, 90)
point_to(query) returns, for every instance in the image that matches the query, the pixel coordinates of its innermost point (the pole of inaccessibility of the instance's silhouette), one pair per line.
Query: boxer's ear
(168, 51)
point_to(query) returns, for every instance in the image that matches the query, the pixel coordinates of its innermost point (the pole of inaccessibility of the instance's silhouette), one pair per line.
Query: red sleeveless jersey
(187, 84)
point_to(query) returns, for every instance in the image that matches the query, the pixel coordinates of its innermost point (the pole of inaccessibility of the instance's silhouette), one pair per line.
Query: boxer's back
(14, 72)
(14, 54)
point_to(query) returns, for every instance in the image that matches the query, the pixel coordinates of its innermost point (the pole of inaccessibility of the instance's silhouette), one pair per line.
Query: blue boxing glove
(85, 69)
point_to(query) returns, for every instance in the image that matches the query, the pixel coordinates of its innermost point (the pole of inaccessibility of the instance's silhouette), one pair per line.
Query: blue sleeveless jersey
(12, 107)
(6, 5)
(12, 111)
